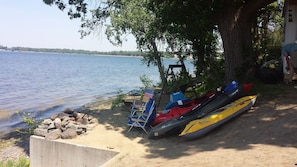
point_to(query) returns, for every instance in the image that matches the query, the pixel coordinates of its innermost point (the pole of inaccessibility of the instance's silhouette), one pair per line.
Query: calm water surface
(45, 83)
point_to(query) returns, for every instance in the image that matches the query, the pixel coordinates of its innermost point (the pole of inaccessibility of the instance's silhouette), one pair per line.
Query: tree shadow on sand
(272, 121)
(17, 139)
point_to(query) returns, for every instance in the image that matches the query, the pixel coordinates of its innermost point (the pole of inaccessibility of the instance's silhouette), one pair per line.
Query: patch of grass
(118, 100)
(7, 143)
(21, 162)
(122, 157)
(265, 91)
(270, 91)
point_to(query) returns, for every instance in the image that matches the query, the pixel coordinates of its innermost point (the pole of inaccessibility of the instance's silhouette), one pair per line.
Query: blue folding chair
(138, 105)
(144, 119)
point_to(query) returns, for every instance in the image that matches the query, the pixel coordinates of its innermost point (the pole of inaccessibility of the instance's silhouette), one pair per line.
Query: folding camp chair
(140, 105)
(144, 119)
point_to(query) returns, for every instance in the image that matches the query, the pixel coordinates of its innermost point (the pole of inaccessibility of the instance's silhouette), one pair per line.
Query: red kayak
(177, 111)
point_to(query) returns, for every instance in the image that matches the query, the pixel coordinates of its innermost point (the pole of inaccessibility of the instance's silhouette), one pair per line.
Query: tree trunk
(157, 57)
(235, 31)
(235, 25)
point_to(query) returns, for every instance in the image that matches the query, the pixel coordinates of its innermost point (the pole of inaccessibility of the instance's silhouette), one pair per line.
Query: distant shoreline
(138, 54)
(112, 55)
(73, 51)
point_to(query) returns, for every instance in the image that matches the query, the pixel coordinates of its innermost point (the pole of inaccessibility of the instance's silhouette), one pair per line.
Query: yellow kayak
(201, 126)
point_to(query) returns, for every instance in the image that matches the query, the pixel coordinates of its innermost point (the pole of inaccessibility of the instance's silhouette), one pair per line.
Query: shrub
(21, 162)
(118, 100)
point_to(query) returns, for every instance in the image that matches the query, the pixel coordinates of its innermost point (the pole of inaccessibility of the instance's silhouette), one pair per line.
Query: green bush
(21, 162)
(30, 121)
(118, 100)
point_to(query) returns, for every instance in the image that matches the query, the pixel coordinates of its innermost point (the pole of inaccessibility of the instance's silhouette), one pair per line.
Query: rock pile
(65, 125)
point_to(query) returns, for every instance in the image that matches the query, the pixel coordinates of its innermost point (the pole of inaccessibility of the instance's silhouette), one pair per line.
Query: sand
(266, 135)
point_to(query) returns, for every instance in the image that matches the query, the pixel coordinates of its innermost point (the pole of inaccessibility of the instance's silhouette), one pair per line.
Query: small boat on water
(199, 127)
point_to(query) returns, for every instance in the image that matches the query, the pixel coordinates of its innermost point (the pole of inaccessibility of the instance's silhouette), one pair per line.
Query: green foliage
(185, 27)
(146, 81)
(118, 100)
(213, 72)
(21, 162)
(180, 80)
(268, 34)
(269, 91)
(30, 121)
(190, 32)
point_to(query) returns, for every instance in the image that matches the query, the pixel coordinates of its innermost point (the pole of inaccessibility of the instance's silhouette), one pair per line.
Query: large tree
(193, 21)
(235, 22)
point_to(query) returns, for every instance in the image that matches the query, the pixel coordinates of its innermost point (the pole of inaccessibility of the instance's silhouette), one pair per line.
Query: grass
(269, 91)
(7, 143)
(258, 88)
(118, 100)
(21, 162)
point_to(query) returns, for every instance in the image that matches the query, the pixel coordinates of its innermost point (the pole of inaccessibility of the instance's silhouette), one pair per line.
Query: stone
(90, 117)
(75, 114)
(51, 126)
(42, 126)
(68, 111)
(83, 120)
(65, 121)
(79, 116)
(93, 121)
(63, 128)
(81, 129)
(82, 126)
(91, 126)
(66, 125)
(62, 115)
(69, 134)
(58, 123)
(71, 126)
(54, 134)
(54, 116)
(47, 122)
(40, 132)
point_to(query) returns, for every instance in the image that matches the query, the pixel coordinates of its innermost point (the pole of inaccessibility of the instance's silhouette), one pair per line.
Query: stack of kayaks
(181, 109)
(219, 99)
(204, 125)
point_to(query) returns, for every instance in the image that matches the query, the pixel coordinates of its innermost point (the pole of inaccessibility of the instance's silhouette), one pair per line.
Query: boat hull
(199, 127)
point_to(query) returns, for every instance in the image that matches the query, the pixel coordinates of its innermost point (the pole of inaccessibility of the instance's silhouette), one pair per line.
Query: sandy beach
(266, 135)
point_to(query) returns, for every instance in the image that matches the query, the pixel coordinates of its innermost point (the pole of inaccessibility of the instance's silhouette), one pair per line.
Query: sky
(32, 23)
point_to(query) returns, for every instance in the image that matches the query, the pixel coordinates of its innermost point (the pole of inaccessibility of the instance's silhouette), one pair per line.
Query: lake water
(46, 83)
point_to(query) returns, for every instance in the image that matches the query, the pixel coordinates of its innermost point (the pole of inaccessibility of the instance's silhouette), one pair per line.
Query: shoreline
(14, 145)
(99, 103)
(11, 117)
